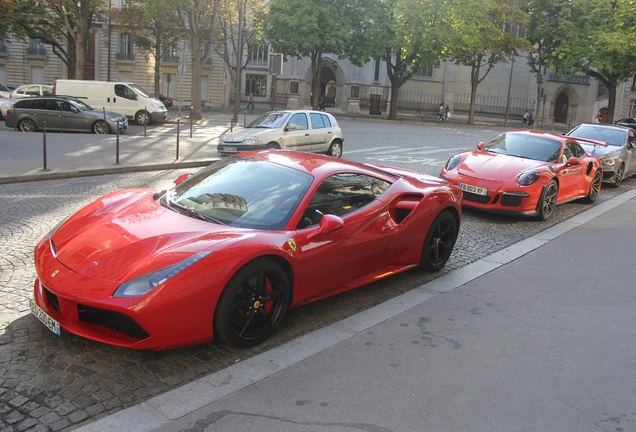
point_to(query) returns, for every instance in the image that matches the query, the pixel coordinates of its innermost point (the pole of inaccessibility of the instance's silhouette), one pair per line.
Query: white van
(121, 97)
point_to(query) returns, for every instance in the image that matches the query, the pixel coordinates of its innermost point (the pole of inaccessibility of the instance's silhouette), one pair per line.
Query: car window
(46, 91)
(32, 91)
(298, 122)
(319, 121)
(39, 104)
(576, 149)
(341, 194)
(23, 103)
(612, 135)
(124, 91)
(567, 152)
(526, 146)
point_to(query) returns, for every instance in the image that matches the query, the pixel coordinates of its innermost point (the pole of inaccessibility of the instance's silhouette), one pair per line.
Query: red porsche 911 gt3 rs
(226, 252)
(525, 172)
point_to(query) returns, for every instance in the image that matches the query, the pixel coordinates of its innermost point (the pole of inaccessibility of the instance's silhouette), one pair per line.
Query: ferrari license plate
(473, 189)
(49, 322)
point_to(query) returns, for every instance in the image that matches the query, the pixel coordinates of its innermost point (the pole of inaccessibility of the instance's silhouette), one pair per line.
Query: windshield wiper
(171, 203)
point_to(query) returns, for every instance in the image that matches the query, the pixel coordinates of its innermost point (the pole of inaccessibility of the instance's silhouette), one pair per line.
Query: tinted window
(342, 194)
(526, 146)
(244, 193)
(613, 136)
(23, 103)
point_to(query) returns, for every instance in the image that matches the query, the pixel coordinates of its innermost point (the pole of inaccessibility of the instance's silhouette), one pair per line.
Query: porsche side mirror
(573, 161)
(328, 223)
(481, 146)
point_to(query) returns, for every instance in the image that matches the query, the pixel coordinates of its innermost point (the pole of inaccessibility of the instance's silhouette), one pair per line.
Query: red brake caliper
(268, 290)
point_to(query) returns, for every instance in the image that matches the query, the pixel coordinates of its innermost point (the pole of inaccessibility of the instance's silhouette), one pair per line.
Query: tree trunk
(474, 81)
(316, 73)
(157, 63)
(196, 113)
(396, 84)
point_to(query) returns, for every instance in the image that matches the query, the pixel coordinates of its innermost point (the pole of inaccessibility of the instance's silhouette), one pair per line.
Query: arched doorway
(561, 108)
(328, 86)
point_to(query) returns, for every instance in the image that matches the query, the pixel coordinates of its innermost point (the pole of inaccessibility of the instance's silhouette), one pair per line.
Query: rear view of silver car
(301, 130)
(617, 156)
(60, 113)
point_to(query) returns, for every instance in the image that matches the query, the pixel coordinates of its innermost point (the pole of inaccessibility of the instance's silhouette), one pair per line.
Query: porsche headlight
(528, 177)
(146, 283)
(452, 162)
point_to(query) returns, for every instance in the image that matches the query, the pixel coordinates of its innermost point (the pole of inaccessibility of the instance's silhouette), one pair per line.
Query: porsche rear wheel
(548, 200)
(252, 304)
(595, 187)
(439, 242)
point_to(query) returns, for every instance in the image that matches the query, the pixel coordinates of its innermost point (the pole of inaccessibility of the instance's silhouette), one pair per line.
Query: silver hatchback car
(301, 130)
(62, 113)
(617, 156)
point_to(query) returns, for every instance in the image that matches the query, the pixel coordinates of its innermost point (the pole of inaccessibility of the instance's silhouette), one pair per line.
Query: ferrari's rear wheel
(439, 242)
(548, 200)
(595, 187)
(252, 304)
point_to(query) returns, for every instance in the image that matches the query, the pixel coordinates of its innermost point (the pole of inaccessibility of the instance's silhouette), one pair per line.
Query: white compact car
(301, 130)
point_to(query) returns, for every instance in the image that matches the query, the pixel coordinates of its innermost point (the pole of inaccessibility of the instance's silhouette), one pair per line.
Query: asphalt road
(51, 383)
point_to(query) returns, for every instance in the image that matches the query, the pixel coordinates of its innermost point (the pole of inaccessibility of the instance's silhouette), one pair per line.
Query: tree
(153, 26)
(308, 28)
(549, 23)
(65, 25)
(408, 35)
(238, 29)
(601, 43)
(483, 38)
(198, 19)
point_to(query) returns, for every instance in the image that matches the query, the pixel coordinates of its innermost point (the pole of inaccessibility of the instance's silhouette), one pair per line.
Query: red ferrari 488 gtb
(224, 253)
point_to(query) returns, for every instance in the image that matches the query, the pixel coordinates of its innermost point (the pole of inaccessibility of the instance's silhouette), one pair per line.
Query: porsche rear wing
(594, 142)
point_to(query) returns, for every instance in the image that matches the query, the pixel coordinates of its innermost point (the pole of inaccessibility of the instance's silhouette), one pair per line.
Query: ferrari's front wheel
(253, 304)
(548, 200)
(595, 187)
(439, 242)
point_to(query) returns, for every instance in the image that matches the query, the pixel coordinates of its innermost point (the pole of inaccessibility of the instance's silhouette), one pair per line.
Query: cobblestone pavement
(56, 383)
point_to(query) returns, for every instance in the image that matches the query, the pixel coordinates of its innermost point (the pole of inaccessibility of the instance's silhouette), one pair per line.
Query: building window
(632, 108)
(257, 53)
(426, 72)
(125, 47)
(293, 87)
(355, 92)
(256, 84)
(35, 47)
(3, 45)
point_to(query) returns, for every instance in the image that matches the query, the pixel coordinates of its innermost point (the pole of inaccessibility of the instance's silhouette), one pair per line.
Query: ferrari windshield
(271, 120)
(243, 192)
(526, 146)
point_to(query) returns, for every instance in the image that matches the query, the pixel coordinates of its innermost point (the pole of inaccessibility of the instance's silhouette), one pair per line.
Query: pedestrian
(526, 115)
(448, 113)
(530, 118)
(250, 101)
(440, 112)
(321, 104)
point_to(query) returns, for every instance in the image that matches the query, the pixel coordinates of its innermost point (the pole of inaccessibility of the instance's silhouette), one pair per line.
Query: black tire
(252, 304)
(620, 175)
(439, 242)
(27, 125)
(595, 187)
(335, 149)
(142, 117)
(100, 127)
(272, 146)
(548, 200)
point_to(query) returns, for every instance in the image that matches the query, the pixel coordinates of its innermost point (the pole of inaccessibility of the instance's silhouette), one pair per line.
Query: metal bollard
(178, 129)
(44, 144)
(117, 145)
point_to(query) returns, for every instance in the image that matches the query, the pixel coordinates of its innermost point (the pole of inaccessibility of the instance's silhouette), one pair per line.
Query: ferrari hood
(127, 234)
(494, 167)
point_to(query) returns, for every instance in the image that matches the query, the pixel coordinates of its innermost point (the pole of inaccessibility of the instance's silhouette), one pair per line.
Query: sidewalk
(537, 337)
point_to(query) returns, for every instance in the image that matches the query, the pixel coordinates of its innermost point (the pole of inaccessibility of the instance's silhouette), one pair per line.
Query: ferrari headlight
(528, 177)
(146, 283)
(452, 162)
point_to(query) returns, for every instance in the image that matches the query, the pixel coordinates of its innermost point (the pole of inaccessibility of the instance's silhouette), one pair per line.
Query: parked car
(628, 121)
(5, 104)
(617, 153)
(4, 91)
(526, 173)
(62, 113)
(304, 130)
(31, 90)
(228, 250)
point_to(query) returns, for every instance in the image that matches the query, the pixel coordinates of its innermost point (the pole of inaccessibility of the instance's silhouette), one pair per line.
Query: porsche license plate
(49, 322)
(473, 189)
